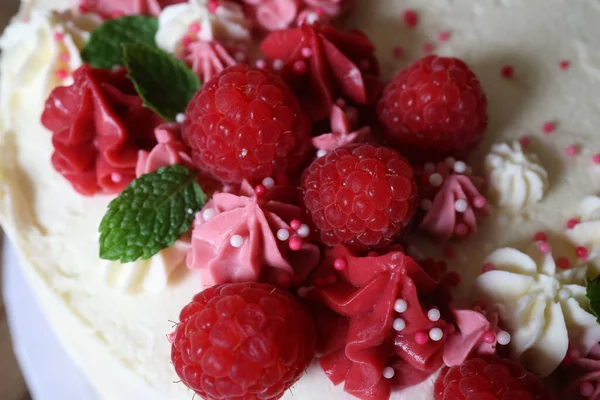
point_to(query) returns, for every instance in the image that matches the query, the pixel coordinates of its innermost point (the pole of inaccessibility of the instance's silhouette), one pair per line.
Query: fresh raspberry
(242, 341)
(489, 378)
(434, 108)
(246, 124)
(361, 195)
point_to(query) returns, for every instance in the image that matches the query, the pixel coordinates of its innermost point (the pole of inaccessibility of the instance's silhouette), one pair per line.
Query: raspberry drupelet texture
(362, 196)
(489, 378)
(246, 123)
(434, 108)
(242, 341)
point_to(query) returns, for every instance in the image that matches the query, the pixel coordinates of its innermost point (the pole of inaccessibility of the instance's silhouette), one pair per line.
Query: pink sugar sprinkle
(295, 224)
(213, 5)
(479, 202)
(563, 263)
(261, 64)
(421, 338)
(320, 11)
(260, 190)
(300, 67)
(564, 64)
(549, 127)
(596, 159)
(398, 52)
(544, 247)
(444, 36)
(186, 41)
(59, 36)
(572, 150)
(540, 237)
(411, 18)
(65, 56)
(461, 230)
(340, 264)
(489, 337)
(428, 48)
(295, 243)
(449, 252)
(525, 141)
(487, 267)
(507, 71)
(62, 74)
(582, 252)
(194, 27)
(573, 222)
(306, 52)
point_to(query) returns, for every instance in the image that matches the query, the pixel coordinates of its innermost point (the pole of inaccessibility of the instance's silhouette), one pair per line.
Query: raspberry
(242, 341)
(489, 378)
(434, 108)
(246, 124)
(362, 196)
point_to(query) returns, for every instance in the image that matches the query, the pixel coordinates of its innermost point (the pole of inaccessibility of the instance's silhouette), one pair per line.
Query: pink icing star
(169, 150)
(343, 123)
(583, 376)
(208, 59)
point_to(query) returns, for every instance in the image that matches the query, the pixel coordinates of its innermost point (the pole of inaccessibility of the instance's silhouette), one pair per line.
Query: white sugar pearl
(268, 183)
(426, 204)
(311, 18)
(283, 234)
(503, 338)
(564, 294)
(434, 315)
(436, 180)
(236, 241)
(460, 167)
(277, 64)
(429, 167)
(388, 372)
(436, 334)
(208, 214)
(400, 306)
(450, 161)
(304, 231)
(399, 324)
(321, 153)
(180, 118)
(461, 205)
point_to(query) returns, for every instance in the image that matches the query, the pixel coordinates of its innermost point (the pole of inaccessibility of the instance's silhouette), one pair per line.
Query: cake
(505, 213)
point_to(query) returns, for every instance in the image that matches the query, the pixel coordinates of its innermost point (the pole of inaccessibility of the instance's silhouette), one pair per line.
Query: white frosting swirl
(516, 179)
(587, 232)
(40, 51)
(543, 309)
(226, 23)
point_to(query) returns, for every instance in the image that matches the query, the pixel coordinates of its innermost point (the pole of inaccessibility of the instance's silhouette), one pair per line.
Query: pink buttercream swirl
(583, 376)
(169, 150)
(343, 121)
(208, 59)
(117, 8)
(454, 204)
(250, 237)
(365, 330)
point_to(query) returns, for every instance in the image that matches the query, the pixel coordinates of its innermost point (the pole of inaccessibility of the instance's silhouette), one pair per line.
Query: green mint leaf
(104, 50)
(151, 213)
(165, 83)
(592, 292)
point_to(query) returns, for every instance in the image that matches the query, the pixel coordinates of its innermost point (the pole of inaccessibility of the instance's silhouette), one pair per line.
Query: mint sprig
(592, 292)
(104, 50)
(150, 214)
(165, 84)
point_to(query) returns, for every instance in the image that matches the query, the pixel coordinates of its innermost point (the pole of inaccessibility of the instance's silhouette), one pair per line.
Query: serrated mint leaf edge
(104, 48)
(184, 83)
(594, 298)
(119, 252)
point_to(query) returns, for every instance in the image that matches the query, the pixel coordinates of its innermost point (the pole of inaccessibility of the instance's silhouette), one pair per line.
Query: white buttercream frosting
(516, 178)
(226, 23)
(544, 310)
(40, 50)
(587, 232)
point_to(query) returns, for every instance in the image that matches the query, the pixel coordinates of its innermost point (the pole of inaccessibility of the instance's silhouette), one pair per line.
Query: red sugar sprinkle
(398, 51)
(194, 27)
(186, 41)
(489, 337)
(299, 67)
(507, 71)
(260, 190)
(540, 237)
(213, 5)
(572, 150)
(59, 36)
(525, 141)
(582, 252)
(549, 127)
(295, 243)
(564, 64)
(62, 74)
(421, 338)
(295, 224)
(453, 279)
(487, 267)
(428, 48)
(596, 159)
(340, 264)
(411, 18)
(444, 36)
(563, 263)
(573, 222)
(544, 247)
(65, 56)
(449, 252)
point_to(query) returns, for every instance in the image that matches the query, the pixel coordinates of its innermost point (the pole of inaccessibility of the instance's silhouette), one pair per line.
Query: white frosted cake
(536, 172)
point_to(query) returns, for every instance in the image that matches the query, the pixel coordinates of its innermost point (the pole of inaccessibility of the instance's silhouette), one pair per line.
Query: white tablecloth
(48, 370)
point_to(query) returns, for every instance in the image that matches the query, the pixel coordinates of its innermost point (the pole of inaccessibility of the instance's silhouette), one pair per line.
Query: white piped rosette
(545, 311)
(516, 179)
(587, 232)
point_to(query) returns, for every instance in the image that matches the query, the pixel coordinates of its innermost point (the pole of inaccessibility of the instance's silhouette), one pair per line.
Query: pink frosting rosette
(255, 235)
(343, 120)
(169, 150)
(208, 59)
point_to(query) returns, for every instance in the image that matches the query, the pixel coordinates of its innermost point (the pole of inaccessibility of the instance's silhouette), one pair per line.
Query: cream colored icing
(587, 232)
(118, 339)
